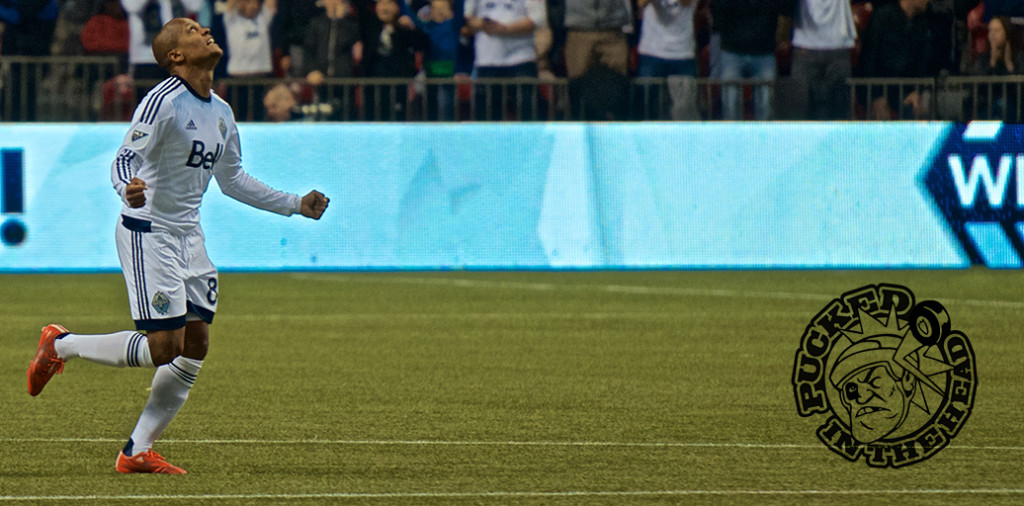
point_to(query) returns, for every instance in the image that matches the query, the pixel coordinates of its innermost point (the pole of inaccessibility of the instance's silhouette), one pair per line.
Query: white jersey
(178, 141)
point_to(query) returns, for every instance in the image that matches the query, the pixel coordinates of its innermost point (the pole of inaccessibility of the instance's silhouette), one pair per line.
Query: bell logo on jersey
(199, 157)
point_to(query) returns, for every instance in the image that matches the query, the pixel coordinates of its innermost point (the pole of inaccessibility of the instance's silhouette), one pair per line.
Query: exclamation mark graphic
(12, 195)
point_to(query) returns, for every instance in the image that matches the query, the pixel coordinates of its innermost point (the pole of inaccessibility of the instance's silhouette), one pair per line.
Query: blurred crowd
(598, 45)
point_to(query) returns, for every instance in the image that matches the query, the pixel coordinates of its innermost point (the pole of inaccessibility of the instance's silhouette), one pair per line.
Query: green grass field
(495, 388)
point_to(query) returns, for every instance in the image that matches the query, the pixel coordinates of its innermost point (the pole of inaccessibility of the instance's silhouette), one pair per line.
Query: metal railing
(54, 88)
(94, 89)
(953, 98)
(515, 99)
(964, 98)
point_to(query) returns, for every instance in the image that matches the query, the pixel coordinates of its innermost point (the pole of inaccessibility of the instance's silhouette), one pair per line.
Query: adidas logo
(191, 125)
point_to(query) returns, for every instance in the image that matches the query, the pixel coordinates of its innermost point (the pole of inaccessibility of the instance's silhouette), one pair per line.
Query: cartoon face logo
(896, 380)
(876, 401)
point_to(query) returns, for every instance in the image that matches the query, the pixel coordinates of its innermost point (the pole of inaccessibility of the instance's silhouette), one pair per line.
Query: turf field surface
(667, 387)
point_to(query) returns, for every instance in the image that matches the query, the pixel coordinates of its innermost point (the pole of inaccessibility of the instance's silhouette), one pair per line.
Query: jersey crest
(139, 139)
(161, 303)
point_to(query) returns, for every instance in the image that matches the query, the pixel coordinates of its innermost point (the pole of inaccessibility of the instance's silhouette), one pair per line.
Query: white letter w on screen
(967, 184)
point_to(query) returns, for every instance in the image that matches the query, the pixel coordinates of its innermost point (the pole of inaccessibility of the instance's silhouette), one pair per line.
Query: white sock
(119, 349)
(171, 384)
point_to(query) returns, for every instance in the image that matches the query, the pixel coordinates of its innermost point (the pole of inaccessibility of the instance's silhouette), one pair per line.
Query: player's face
(197, 45)
(876, 402)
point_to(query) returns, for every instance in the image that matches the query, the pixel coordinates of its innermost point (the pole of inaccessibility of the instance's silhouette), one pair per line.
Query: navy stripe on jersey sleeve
(155, 99)
(124, 165)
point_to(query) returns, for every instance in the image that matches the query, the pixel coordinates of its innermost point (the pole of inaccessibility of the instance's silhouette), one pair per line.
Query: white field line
(433, 442)
(520, 494)
(626, 289)
(633, 315)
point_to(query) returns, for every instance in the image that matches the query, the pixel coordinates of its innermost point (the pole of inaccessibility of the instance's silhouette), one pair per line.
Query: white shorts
(170, 279)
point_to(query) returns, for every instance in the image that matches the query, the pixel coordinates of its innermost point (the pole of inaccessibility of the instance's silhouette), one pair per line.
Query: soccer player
(181, 135)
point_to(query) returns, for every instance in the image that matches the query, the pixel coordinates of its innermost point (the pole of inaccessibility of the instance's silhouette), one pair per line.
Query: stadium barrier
(93, 89)
(54, 88)
(560, 195)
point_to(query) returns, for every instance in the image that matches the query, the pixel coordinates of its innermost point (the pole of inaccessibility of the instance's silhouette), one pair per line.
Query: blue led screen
(566, 195)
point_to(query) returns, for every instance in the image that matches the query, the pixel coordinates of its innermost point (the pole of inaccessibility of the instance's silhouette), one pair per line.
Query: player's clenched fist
(134, 192)
(314, 204)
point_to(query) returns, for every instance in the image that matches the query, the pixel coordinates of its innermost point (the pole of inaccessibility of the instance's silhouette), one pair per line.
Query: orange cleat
(46, 362)
(146, 462)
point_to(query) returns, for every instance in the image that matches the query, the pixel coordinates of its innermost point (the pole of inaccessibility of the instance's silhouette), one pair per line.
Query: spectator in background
(949, 23)
(389, 51)
(1002, 58)
(29, 26)
(247, 24)
(439, 24)
(543, 42)
(823, 36)
(145, 19)
(464, 49)
(332, 43)
(72, 16)
(667, 45)
(247, 27)
(280, 103)
(748, 29)
(597, 57)
(288, 32)
(331, 49)
(556, 23)
(504, 46)
(596, 33)
(106, 33)
(897, 43)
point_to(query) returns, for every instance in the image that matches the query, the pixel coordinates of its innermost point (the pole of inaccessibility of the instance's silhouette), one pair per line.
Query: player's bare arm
(134, 193)
(314, 204)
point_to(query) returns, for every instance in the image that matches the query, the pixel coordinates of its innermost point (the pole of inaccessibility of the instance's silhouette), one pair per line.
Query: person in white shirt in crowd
(504, 48)
(823, 36)
(667, 45)
(247, 27)
(247, 24)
